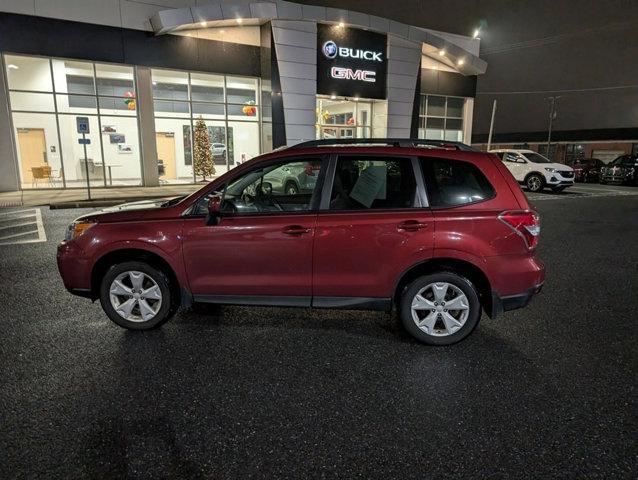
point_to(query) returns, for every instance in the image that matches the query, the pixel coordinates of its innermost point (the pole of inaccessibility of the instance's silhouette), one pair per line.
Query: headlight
(550, 170)
(76, 229)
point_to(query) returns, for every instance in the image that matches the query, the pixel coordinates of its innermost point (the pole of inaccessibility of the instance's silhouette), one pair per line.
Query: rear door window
(450, 183)
(373, 183)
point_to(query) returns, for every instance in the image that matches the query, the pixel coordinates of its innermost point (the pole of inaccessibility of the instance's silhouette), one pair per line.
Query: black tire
(535, 182)
(558, 189)
(291, 188)
(168, 305)
(463, 284)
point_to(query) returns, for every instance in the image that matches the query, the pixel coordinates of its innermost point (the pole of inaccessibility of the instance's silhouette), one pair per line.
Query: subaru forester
(432, 230)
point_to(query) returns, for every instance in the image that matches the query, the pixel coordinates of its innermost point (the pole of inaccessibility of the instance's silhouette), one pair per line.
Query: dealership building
(110, 92)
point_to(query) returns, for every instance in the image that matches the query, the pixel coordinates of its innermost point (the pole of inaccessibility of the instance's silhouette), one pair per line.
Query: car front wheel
(136, 296)
(535, 183)
(440, 309)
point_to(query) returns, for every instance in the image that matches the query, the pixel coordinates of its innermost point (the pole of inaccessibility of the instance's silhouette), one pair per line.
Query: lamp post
(553, 113)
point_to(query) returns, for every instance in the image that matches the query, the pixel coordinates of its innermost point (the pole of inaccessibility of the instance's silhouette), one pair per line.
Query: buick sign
(331, 50)
(351, 62)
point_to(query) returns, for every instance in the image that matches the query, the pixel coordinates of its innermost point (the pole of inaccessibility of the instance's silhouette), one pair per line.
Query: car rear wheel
(440, 309)
(535, 182)
(136, 296)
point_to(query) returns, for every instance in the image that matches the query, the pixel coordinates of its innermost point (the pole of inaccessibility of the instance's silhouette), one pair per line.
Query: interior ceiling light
(341, 25)
(477, 32)
(460, 62)
(441, 52)
(240, 20)
(203, 24)
(11, 66)
(333, 96)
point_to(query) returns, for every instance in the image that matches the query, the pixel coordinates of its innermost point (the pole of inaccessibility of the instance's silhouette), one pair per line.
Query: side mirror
(214, 210)
(266, 188)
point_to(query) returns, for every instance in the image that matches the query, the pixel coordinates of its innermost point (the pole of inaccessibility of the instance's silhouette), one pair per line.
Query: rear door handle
(295, 230)
(411, 225)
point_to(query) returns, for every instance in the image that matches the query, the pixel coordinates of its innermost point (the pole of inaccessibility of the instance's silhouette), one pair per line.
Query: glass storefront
(47, 95)
(441, 118)
(229, 107)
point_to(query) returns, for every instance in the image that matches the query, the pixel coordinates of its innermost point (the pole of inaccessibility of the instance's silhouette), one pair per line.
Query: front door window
(282, 187)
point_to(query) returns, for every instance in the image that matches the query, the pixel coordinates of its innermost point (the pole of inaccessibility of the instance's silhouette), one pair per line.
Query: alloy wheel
(135, 296)
(440, 309)
(534, 183)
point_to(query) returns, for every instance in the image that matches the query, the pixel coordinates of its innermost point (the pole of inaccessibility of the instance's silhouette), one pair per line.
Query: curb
(102, 202)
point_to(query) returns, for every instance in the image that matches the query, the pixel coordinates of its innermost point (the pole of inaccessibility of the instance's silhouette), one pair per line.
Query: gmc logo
(342, 73)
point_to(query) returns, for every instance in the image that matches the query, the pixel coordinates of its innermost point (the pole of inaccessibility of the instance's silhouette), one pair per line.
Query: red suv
(434, 229)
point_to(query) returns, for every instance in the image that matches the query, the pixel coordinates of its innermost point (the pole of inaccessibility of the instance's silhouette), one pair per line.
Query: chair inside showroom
(42, 173)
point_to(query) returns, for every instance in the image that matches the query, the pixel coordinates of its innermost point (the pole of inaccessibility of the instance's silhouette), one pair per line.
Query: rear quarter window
(451, 183)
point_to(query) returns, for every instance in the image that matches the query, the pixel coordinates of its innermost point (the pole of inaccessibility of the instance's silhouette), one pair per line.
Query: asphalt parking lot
(548, 391)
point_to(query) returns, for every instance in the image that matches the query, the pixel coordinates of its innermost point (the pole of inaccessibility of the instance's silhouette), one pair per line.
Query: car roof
(514, 150)
(376, 149)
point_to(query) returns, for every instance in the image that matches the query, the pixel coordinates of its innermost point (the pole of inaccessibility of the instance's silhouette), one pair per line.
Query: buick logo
(330, 49)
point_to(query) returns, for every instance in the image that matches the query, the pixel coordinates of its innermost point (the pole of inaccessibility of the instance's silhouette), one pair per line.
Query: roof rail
(395, 142)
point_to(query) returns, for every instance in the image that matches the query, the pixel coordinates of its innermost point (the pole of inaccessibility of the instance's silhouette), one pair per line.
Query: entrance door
(166, 153)
(337, 132)
(33, 151)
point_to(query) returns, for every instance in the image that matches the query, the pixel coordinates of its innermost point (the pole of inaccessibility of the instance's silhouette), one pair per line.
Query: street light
(553, 113)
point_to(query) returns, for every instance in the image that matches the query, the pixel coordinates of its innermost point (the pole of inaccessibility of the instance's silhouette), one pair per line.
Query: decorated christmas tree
(203, 158)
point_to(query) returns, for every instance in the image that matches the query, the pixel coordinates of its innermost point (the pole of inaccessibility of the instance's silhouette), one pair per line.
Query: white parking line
(16, 220)
(571, 196)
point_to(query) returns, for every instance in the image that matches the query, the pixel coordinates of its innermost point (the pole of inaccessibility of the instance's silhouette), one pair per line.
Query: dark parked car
(439, 234)
(623, 170)
(587, 170)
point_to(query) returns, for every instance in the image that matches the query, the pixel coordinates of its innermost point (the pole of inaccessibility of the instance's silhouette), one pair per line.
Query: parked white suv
(536, 171)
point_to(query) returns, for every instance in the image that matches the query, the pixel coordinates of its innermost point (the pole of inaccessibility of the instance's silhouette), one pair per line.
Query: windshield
(536, 157)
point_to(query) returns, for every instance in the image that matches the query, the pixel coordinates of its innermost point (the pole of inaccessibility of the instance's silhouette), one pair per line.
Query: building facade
(259, 75)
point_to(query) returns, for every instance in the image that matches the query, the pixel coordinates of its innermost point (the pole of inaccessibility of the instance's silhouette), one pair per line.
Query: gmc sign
(349, 74)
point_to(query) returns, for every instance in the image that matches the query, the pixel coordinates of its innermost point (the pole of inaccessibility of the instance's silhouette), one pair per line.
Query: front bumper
(74, 268)
(616, 178)
(556, 179)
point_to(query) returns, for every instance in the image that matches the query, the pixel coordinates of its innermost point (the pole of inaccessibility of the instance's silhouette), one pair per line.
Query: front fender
(164, 241)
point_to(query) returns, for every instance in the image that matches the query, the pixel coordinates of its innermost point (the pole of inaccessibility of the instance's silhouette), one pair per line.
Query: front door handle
(295, 230)
(411, 226)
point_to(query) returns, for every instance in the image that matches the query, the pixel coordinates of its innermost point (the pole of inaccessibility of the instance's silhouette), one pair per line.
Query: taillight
(526, 224)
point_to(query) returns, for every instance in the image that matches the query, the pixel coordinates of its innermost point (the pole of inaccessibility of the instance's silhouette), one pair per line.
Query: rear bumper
(513, 302)
(514, 280)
